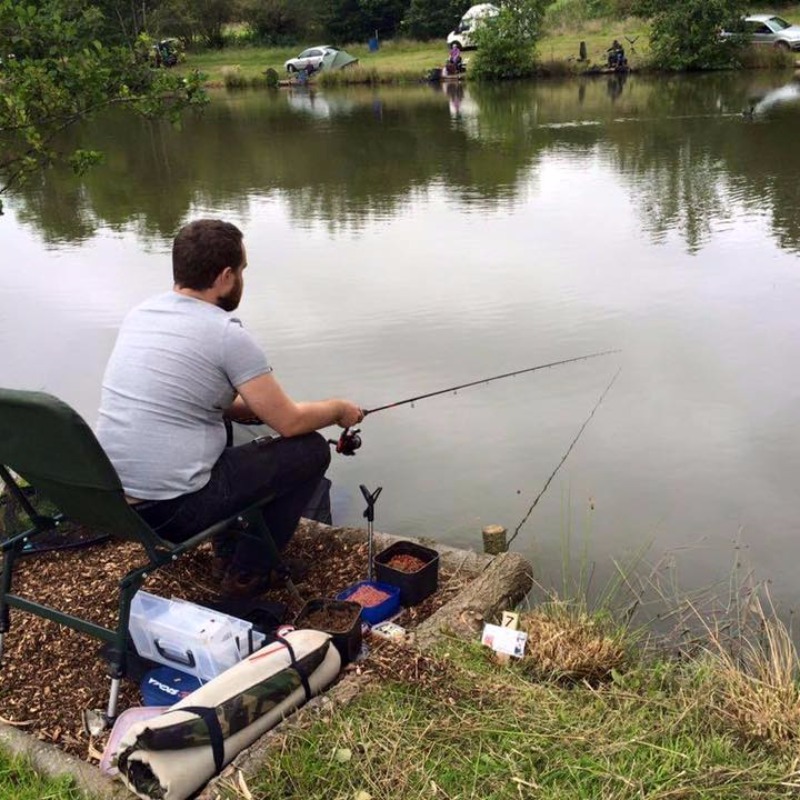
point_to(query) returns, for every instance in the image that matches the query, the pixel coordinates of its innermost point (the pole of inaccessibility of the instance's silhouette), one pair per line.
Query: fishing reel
(348, 442)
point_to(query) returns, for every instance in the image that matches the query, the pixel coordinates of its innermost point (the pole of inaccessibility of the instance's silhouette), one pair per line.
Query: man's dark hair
(202, 249)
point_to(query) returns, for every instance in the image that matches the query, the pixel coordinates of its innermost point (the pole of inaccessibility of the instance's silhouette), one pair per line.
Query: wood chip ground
(51, 673)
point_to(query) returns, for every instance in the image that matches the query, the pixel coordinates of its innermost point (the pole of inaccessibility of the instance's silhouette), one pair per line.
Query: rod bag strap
(297, 667)
(217, 740)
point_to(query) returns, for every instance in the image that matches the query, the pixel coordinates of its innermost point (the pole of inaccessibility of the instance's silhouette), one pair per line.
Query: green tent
(337, 59)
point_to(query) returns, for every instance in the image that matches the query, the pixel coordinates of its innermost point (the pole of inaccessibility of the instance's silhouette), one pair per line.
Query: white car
(311, 57)
(769, 29)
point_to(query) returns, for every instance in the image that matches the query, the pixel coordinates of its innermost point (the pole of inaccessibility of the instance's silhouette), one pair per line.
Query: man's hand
(351, 414)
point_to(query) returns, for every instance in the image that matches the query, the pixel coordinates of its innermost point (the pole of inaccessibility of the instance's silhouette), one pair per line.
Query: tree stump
(494, 539)
(501, 586)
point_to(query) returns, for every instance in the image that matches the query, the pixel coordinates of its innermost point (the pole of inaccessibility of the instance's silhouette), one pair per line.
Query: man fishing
(183, 364)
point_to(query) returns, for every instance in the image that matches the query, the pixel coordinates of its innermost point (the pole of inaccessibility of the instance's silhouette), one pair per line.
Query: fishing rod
(350, 441)
(563, 458)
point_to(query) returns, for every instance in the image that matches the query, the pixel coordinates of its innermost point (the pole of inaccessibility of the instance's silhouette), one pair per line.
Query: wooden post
(494, 539)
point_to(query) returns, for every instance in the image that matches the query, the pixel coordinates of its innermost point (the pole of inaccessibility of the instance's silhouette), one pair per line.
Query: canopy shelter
(337, 59)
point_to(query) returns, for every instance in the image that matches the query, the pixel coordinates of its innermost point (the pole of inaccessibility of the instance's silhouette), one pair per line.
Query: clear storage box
(196, 640)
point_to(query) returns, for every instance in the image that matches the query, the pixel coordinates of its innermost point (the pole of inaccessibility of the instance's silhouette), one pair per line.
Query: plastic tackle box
(196, 640)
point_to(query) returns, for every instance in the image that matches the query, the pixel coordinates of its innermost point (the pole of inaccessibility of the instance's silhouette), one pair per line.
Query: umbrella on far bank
(337, 59)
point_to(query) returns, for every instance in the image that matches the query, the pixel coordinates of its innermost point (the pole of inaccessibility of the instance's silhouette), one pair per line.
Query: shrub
(233, 79)
(685, 35)
(507, 43)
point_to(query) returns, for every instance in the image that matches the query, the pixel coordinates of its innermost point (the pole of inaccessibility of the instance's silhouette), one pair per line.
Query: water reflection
(402, 240)
(683, 146)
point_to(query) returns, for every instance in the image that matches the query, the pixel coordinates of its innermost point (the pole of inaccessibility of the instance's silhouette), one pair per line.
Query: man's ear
(223, 277)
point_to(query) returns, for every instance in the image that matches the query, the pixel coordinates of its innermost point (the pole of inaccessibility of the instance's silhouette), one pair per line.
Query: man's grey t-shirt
(173, 372)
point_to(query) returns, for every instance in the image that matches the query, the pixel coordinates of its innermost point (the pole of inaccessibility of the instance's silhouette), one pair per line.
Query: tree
(685, 35)
(345, 21)
(58, 72)
(187, 19)
(432, 19)
(507, 43)
(277, 22)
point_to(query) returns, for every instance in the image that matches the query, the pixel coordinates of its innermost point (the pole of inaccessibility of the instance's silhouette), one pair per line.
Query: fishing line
(563, 458)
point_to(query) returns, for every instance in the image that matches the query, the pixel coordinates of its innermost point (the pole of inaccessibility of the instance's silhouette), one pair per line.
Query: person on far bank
(453, 60)
(183, 364)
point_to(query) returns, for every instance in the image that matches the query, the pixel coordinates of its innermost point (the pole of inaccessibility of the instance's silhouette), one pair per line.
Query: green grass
(18, 781)
(563, 45)
(396, 60)
(486, 732)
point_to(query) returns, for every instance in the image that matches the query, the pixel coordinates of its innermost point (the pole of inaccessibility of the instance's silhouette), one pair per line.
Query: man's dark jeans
(290, 469)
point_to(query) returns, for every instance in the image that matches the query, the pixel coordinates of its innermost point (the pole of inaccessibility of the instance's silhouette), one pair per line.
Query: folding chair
(50, 446)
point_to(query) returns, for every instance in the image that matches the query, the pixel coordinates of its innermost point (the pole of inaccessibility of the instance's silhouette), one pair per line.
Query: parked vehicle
(475, 17)
(767, 29)
(309, 58)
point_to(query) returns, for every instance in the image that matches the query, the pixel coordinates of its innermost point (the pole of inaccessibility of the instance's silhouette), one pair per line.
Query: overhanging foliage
(59, 70)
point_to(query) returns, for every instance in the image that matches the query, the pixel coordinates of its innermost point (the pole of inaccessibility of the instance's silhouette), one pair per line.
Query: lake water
(404, 240)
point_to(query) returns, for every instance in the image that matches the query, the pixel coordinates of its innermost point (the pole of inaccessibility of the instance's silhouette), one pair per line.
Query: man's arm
(265, 398)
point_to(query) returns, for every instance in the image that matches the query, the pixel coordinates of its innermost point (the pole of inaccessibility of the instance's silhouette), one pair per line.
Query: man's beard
(230, 302)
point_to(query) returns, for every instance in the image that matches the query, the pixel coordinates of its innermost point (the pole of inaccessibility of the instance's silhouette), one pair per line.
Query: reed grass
(756, 57)
(369, 76)
(233, 78)
(752, 681)
(566, 644)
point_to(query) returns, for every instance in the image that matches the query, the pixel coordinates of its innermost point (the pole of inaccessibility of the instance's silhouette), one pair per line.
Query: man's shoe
(219, 566)
(242, 583)
(296, 568)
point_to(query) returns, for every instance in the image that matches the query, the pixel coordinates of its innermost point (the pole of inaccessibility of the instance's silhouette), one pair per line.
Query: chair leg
(118, 652)
(9, 557)
(113, 699)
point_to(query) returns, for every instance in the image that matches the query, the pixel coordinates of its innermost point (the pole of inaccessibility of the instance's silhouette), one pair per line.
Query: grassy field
(393, 58)
(407, 60)
(402, 61)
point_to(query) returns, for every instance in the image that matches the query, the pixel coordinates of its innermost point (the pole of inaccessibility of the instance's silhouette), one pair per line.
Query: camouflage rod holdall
(171, 756)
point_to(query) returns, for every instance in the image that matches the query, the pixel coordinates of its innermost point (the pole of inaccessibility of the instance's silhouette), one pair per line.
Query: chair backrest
(46, 442)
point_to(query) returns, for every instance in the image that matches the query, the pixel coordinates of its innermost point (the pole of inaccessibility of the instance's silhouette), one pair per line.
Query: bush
(507, 43)
(685, 36)
(233, 78)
